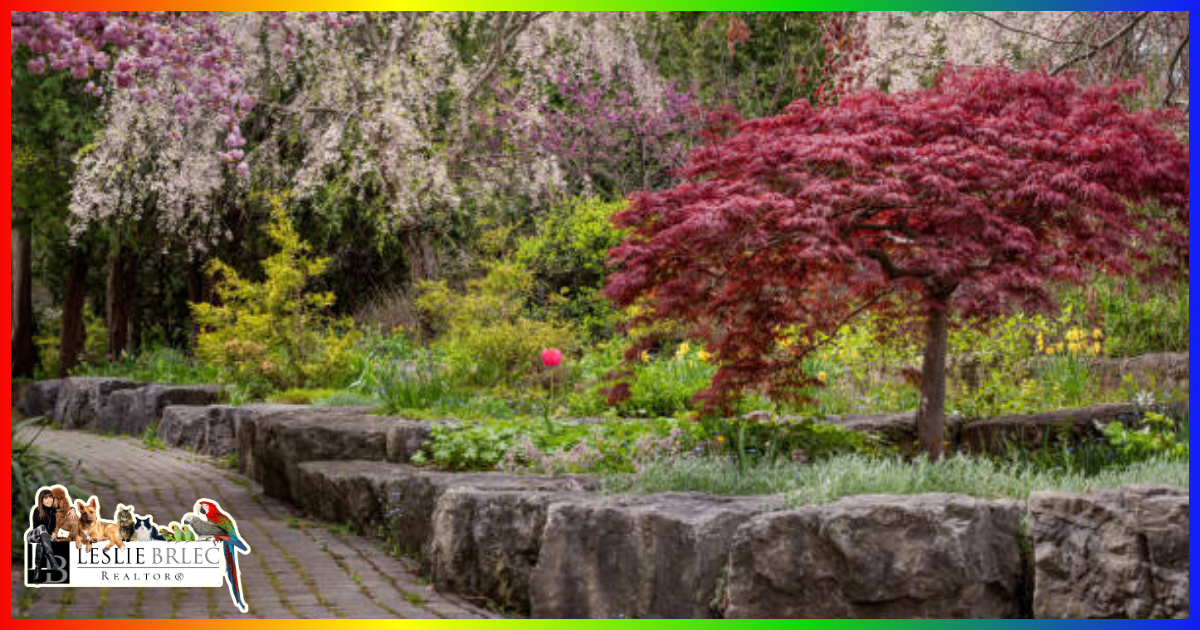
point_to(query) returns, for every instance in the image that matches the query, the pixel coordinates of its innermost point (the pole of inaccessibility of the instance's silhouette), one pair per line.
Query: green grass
(829, 480)
(158, 365)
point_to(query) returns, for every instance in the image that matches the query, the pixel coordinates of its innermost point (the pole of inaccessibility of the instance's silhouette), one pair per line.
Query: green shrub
(157, 365)
(274, 335)
(568, 258)
(31, 469)
(750, 441)
(487, 338)
(1158, 437)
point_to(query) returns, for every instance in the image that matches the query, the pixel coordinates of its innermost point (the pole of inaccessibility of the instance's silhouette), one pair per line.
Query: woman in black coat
(43, 526)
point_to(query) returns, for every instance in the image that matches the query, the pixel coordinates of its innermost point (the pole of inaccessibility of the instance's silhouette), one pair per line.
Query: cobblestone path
(297, 569)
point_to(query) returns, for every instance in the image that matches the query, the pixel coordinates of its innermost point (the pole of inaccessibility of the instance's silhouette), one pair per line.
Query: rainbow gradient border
(608, 5)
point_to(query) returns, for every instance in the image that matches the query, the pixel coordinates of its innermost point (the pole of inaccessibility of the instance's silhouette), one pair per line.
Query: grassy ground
(829, 480)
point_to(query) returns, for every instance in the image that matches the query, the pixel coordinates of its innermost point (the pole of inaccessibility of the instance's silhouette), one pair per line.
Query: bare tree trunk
(122, 292)
(931, 417)
(24, 355)
(420, 256)
(74, 334)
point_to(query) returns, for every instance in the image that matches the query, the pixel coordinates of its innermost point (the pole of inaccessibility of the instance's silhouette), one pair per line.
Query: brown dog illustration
(94, 530)
(65, 517)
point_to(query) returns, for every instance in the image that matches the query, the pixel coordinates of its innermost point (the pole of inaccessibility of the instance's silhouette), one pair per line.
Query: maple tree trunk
(74, 334)
(23, 354)
(931, 416)
(122, 289)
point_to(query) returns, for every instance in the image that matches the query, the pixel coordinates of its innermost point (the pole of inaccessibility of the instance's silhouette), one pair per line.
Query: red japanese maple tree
(968, 198)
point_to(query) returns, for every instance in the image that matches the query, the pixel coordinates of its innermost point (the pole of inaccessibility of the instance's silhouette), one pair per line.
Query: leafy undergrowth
(848, 475)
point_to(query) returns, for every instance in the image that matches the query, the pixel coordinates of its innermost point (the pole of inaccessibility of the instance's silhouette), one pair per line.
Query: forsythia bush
(273, 335)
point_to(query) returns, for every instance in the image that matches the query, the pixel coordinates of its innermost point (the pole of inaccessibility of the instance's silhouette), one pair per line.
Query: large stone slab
(130, 411)
(273, 444)
(659, 555)
(39, 397)
(1162, 370)
(1112, 553)
(209, 429)
(81, 399)
(996, 435)
(933, 555)
(399, 501)
(485, 542)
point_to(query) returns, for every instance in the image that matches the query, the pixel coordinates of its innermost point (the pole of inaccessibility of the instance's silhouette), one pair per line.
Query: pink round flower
(551, 357)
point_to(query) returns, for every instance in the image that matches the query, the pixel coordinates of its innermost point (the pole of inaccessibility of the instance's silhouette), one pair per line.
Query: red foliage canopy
(972, 195)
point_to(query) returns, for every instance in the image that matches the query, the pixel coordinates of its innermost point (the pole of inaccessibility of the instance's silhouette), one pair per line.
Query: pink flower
(551, 357)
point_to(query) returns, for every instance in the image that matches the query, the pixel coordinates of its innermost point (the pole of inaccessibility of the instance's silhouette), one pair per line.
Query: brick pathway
(297, 569)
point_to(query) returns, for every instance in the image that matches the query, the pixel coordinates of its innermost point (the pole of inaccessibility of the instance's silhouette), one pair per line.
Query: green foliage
(31, 469)
(274, 334)
(1159, 437)
(528, 445)
(301, 396)
(1138, 318)
(150, 438)
(488, 339)
(157, 365)
(665, 385)
(848, 475)
(567, 258)
(751, 441)
(48, 342)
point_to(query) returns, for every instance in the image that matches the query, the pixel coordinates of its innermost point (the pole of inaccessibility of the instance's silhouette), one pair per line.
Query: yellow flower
(1041, 342)
(1050, 350)
(821, 376)
(841, 355)
(645, 356)
(1096, 348)
(854, 354)
(1097, 334)
(683, 350)
(703, 355)
(786, 342)
(721, 438)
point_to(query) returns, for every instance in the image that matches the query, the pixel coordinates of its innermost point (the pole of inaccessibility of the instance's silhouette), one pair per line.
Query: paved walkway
(297, 569)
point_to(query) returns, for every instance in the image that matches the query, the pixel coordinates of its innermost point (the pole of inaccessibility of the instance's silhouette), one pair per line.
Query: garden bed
(567, 546)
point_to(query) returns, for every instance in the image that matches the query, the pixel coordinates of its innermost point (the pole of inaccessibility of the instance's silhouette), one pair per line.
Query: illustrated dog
(65, 517)
(93, 530)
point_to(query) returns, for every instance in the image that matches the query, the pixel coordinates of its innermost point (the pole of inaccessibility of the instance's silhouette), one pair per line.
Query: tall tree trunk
(74, 333)
(197, 293)
(24, 356)
(122, 292)
(420, 256)
(931, 417)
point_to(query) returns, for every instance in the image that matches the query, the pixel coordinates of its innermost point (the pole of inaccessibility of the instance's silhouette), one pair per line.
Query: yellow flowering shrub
(275, 335)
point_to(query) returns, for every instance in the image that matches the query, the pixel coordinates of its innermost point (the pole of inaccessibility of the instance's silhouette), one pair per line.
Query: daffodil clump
(1075, 342)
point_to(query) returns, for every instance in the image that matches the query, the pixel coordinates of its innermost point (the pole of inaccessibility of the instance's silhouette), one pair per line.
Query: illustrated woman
(43, 525)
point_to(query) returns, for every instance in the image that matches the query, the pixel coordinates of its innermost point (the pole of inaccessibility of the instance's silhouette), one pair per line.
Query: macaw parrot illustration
(210, 523)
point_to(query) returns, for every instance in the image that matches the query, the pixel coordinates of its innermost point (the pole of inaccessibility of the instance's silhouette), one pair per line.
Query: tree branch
(1103, 45)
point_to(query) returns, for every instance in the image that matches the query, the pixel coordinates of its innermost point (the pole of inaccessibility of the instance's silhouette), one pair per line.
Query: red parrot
(230, 542)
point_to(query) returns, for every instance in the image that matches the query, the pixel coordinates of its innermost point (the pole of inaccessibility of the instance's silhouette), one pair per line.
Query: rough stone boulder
(211, 429)
(893, 428)
(659, 555)
(273, 444)
(932, 555)
(485, 541)
(399, 501)
(996, 435)
(39, 397)
(1112, 553)
(130, 411)
(81, 399)
(1163, 370)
